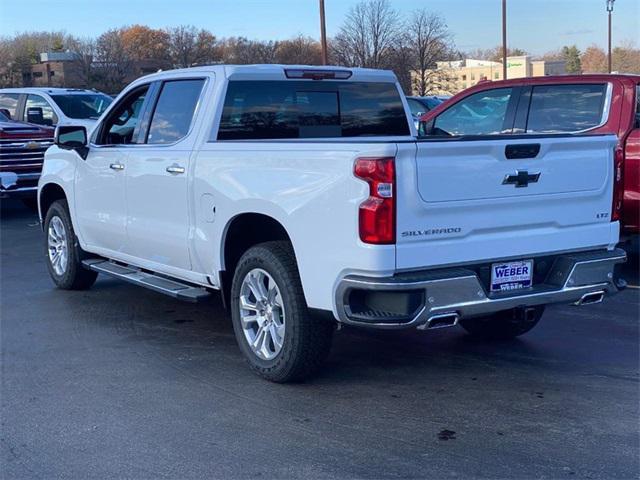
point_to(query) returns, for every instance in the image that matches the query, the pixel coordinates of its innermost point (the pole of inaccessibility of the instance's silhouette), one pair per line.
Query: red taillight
(377, 214)
(618, 182)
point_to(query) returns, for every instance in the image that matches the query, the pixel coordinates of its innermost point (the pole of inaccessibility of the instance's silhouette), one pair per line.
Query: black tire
(307, 340)
(73, 276)
(503, 325)
(31, 203)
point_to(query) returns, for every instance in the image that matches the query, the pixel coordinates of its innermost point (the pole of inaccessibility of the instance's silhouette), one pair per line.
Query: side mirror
(70, 137)
(6, 113)
(34, 115)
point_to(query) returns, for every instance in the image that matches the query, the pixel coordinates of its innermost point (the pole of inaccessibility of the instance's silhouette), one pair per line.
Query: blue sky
(535, 25)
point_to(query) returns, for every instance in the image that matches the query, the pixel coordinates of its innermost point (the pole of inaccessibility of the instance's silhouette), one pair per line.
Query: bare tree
(113, 64)
(84, 50)
(431, 42)
(189, 46)
(299, 51)
(242, 51)
(370, 30)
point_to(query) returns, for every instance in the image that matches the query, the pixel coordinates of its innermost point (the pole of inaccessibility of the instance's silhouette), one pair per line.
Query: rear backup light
(377, 214)
(312, 74)
(618, 187)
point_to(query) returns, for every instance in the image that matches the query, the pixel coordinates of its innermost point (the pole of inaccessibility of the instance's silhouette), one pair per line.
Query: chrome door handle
(175, 169)
(116, 166)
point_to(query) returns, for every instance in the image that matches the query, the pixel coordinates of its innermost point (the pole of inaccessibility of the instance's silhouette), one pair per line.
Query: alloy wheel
(262, 314)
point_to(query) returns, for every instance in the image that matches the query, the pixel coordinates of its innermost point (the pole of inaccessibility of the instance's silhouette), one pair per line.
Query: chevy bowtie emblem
(32, 145)
(522, 178)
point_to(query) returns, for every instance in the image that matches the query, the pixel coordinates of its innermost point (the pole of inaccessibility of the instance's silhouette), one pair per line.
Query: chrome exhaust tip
(591, 298)
(442, 320)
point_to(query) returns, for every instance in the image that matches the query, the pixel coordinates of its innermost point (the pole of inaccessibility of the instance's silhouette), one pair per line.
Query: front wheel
(63, 253)
(503, 325)
(276, 333)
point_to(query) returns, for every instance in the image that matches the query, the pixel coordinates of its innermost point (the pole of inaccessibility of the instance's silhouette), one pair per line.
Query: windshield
(90, 105)
(432, 102)
(3, 117)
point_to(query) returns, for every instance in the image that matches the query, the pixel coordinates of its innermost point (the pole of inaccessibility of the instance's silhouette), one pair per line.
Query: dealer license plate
(511, 275)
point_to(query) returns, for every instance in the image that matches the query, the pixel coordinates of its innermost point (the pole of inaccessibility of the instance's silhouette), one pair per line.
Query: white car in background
(54, 106)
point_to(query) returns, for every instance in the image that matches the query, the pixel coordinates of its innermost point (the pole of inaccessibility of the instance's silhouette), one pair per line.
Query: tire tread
(312, 336)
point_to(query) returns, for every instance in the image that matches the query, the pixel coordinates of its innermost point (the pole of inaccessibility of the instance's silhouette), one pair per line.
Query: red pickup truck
(22, 147)
(571, 104)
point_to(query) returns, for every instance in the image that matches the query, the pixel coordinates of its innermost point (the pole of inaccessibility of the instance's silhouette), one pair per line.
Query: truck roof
(50, 90)
(275, 72)
(551, 79)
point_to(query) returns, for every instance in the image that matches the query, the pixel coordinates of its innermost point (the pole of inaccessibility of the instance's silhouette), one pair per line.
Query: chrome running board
(152, 281)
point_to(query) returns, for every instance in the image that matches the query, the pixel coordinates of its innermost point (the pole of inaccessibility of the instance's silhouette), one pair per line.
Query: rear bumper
(417, 298)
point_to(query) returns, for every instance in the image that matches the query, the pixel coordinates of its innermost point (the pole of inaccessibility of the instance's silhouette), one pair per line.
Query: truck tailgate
(464, 201)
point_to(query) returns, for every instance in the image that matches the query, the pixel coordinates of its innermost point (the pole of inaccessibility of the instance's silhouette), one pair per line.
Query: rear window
(311, 109)
(566, 108)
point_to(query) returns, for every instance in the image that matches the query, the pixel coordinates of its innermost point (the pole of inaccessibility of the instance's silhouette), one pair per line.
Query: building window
(473, 76)
(464, 78)
(496, 75)
(52, 73)
(37, 74)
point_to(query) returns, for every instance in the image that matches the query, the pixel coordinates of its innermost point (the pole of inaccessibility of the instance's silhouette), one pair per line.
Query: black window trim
(522, 116)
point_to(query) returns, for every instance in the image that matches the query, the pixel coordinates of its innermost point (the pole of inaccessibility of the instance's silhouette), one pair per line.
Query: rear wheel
(64, 255)
(276, 333)
(503, 325)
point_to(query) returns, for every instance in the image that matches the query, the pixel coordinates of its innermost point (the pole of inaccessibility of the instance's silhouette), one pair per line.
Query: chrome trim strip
(18, 190)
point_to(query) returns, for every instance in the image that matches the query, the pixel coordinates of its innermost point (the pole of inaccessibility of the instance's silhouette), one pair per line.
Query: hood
(12, 127)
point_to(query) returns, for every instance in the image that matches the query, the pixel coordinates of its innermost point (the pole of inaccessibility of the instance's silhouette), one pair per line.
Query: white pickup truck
(304, 195)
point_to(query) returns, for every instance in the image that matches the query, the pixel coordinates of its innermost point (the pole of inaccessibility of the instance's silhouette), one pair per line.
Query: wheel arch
(242, 232)
(48, 194)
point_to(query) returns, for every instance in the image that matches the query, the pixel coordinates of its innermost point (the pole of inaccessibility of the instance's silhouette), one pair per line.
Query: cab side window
(37, 110)
(174, 111)
(566, 108)
(9, 102)
(121, 126)
(483, 113)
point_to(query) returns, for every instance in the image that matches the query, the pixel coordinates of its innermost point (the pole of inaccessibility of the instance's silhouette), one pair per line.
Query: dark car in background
(22, 147)
(561, 105)
(421, 105)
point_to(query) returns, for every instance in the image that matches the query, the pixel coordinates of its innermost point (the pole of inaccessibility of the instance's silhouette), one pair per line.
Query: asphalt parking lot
(119, 382)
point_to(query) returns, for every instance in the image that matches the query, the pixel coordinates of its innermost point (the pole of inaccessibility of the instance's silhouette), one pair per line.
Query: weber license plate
(511, 275)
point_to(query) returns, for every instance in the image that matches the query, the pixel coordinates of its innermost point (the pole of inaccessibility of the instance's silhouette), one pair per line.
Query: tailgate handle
(523, 150)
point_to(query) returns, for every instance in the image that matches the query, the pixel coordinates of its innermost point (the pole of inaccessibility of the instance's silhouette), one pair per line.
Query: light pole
(323, 34)
(504, 39)
(609, 10)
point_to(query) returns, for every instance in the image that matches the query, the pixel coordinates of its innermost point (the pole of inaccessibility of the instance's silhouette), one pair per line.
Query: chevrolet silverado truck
(305, 197)
(22, 147)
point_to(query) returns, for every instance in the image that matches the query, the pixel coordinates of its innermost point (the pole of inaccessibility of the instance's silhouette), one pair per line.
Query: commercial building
(56, 69)
(454, 76)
